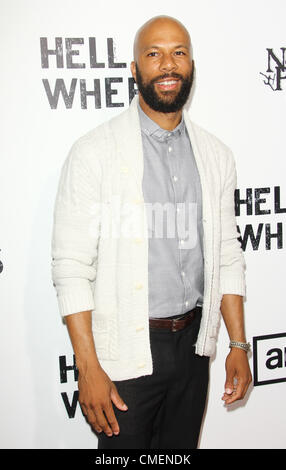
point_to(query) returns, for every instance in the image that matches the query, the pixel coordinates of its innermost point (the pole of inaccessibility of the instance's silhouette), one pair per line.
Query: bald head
(154, 29)
(163, 66)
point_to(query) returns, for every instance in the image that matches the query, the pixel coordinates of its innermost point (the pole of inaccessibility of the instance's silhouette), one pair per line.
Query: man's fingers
(98, 408)
(110, 416)
(106, 419)
(116, 398)
(237, 391)
(83, 409)
(102, 421)
(235, 395)
(96, 419)
(229, 384)
(238, 376)
(92, 420)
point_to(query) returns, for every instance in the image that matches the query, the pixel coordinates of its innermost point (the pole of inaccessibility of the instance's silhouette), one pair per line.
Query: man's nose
(168, 63)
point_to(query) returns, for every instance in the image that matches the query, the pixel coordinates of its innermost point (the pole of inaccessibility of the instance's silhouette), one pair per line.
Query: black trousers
(165, 409)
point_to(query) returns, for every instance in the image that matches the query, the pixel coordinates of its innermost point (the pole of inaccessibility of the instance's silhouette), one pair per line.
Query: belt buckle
(174, 326)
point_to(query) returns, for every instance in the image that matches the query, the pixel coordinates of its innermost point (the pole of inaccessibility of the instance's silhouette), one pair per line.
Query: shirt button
(175, 178)
(139, 328)
(170, 149)
(138, 285)
(141, 364)
(124, 169)
(186, 303)
(183, 273)
(138, 240)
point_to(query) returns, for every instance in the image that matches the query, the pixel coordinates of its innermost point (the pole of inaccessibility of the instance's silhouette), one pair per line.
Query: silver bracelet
(238, 344)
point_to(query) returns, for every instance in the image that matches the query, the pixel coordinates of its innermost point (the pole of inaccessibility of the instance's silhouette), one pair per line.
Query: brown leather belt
(174, 324)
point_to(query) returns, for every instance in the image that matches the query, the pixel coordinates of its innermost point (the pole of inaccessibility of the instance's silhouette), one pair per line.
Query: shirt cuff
(75, 302)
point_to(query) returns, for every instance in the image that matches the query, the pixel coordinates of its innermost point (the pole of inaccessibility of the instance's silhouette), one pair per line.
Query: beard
(174, 100)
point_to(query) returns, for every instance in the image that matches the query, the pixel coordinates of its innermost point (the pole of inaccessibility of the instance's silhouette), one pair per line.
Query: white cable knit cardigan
(93, 269)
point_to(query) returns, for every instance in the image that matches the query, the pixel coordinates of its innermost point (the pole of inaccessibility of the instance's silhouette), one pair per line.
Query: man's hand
(96, 390)
(96, 394)
(238, 376)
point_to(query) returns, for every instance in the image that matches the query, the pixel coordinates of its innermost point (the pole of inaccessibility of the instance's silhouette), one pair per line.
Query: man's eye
(152, 54)
(180, 53)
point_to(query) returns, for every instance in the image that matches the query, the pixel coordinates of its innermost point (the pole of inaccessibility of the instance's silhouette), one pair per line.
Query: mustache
(167, 75)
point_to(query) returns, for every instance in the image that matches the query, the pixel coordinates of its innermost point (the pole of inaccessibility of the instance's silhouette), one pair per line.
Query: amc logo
(269, 359)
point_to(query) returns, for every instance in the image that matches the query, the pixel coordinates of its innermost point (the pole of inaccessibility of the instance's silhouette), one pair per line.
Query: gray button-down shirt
(172, 194)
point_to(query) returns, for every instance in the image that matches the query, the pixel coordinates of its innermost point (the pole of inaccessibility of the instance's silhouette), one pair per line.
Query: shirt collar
(152, 129)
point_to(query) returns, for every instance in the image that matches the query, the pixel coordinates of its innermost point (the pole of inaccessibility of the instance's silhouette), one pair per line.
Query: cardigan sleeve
(76, 228)
(232, 264)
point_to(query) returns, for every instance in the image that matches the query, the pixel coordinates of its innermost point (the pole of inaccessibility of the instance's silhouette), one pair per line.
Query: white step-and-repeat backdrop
(64, 70)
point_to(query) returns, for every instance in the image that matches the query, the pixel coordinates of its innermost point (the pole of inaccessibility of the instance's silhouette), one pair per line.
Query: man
(142, 311)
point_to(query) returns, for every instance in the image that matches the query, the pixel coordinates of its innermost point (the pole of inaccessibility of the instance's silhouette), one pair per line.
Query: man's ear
(133, 69)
